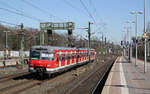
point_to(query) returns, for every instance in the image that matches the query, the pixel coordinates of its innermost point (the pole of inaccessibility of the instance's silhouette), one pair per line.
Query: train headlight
(31, 64)
(48, 65)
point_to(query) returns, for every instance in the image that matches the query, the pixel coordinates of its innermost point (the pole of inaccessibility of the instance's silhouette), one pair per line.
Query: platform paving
(126, 78)
(9, 62)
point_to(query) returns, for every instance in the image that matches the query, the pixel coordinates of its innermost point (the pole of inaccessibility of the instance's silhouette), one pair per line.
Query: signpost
(145, 59)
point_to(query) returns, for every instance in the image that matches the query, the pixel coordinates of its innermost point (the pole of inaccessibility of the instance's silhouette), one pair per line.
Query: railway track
(21, 86)
(86, 85)
(99, 86)
(9, 77)
(30, 85)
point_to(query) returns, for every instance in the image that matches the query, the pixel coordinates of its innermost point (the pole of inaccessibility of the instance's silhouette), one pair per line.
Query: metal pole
(42, 39)
(22, 46)
(102, 42)
(129, 43)
(130, 46)
(6, 44)
(126, 43)
(105, 46)
(102, 46)
(89, 42)
(6, 40)
(136, 40)
(148, 49)
(145, 59)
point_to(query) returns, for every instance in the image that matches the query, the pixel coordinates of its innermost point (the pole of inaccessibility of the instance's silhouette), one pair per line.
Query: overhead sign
(57, 26)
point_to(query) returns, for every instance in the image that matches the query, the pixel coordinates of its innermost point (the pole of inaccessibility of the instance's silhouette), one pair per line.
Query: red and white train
(49, 59)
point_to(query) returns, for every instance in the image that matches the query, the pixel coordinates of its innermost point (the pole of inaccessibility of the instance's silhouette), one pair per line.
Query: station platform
(126, 78)
(9, 62)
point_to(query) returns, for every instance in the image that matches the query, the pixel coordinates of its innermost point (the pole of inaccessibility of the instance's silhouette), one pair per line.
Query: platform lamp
(136, 22)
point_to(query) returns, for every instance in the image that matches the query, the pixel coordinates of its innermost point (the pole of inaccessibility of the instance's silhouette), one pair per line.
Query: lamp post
(129, 35)
(124, 36)
(136, 13)
(145, 59)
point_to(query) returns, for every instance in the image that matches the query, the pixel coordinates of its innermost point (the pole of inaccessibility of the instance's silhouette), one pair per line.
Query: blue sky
(110, 15)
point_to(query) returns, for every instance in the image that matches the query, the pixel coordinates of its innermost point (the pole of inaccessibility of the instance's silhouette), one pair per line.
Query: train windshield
(37, 55)
(34, 55)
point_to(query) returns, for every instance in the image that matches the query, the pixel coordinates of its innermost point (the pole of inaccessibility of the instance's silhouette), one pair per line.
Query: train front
(41, 60)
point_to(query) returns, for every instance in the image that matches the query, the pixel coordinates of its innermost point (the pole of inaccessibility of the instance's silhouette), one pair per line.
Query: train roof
(57, 48)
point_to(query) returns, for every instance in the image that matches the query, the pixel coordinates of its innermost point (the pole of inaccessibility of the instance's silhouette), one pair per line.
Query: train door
(66, 57)
(82, 59)
(78, 56)
(86, 55)
(75, 57)
(63, 60)
(70, 57)
(57, 59)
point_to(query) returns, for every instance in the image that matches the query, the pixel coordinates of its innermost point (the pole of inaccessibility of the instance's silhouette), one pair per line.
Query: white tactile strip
(124, 90)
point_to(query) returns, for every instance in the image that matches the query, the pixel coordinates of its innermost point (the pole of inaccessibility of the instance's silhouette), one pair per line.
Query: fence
(14, 53)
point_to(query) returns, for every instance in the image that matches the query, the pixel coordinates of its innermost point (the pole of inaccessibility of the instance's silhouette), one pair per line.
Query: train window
(63, 57)
(70, 56)
(60, 57)
(47, 56)
(67, 56)
(78, 56)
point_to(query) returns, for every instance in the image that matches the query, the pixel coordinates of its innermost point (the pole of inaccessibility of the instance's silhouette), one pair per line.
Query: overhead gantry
(50, 26)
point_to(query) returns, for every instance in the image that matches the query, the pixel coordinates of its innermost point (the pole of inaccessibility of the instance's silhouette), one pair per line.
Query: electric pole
(6, 44)
(89, 38)
(22, 46)
(145, 59)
